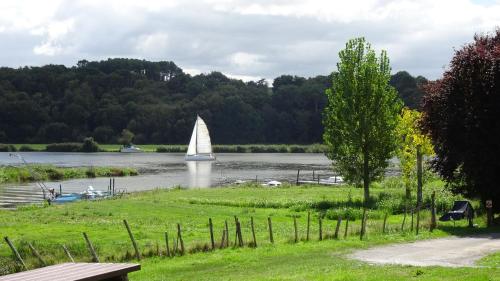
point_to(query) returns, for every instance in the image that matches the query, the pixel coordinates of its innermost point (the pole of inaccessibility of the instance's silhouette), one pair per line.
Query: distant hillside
(158, 102)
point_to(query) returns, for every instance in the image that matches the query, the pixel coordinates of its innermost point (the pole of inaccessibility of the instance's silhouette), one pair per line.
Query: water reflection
(199, 173)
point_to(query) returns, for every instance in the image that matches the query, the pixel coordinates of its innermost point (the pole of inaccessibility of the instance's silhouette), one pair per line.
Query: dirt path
(451, 252)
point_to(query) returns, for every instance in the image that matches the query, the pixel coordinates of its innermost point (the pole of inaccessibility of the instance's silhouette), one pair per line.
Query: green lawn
(152, 213)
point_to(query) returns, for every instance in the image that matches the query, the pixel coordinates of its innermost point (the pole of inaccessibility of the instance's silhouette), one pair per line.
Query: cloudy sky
(243, 39)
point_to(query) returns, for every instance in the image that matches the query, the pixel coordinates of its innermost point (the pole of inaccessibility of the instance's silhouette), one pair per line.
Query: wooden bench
(76, 271)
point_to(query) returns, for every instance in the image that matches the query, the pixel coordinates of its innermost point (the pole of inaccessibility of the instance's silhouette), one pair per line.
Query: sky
(243, 39)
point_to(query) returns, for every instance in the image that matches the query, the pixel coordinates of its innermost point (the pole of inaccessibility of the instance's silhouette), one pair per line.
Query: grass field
(152, 213)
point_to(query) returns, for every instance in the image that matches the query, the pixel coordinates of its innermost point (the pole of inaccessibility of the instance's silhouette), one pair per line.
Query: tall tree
(361, 114)
(411, 142)
(461, 113)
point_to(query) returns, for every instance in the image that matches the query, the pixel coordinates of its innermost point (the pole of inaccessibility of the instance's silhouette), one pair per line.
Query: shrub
(90, 172)
(7, 148)
(54, 174)
(297, 149)
(89, 145)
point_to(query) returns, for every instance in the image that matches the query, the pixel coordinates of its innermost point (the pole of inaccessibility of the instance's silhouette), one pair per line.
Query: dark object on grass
(461, 210)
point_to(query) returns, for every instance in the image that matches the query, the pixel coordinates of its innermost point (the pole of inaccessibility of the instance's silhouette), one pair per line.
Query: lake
(163, 170)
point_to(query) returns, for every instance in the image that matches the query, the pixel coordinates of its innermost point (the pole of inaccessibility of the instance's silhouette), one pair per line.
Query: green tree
(126, 137)
(411, 142)
(361, 115)
(461, 113)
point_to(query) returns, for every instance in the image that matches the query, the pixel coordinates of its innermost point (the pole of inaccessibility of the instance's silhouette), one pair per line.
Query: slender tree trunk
(408, 192)
(366, 178)
(419, 178)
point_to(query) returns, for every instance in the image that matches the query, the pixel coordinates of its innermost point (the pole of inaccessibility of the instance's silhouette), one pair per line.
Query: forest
(158, 103)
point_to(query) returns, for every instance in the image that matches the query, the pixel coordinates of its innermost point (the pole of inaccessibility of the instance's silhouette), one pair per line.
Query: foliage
(410, 138)
(361, 114)
(461, 113)
(15, 174)
(7, 148)
(55, 103)
(89, 145)
(126, 137)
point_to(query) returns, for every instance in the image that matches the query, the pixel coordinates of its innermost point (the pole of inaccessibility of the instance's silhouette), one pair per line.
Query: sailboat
(200, 147)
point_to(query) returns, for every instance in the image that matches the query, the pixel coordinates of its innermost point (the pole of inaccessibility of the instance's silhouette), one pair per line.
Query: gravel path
(451, 252)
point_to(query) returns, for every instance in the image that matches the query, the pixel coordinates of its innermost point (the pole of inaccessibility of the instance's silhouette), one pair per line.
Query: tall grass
(13, 174)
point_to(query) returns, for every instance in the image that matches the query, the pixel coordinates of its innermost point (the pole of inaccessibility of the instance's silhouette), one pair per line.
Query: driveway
(451, 251)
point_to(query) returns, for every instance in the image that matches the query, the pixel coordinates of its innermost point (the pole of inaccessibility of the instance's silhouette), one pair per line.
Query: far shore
(180, 148)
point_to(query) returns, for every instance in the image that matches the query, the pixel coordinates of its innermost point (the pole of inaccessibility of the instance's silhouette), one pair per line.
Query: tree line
(158, 103)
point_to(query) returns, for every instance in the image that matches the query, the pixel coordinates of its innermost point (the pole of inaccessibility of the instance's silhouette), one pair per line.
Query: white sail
(203, 144)
(192, 143)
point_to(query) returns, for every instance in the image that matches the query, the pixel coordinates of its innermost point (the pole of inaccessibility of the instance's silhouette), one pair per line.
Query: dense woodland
(158, 102)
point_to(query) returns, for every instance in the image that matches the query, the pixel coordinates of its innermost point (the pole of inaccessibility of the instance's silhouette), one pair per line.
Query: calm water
(165, 170)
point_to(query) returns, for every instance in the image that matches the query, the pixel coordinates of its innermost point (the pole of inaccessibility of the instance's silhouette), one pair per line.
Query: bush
(297, 149)
(64, 147)
(89, 145)
(54, 174)
(90, 172)
(7, 148)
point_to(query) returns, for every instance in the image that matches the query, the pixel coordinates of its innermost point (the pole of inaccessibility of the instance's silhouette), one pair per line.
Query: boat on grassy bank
(130, 149)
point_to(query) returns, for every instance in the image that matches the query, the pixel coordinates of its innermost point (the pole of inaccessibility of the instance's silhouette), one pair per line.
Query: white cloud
(248, 39)
(152, 44)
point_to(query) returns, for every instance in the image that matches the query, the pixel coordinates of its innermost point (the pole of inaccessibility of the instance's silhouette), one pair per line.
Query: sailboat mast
(196, 136)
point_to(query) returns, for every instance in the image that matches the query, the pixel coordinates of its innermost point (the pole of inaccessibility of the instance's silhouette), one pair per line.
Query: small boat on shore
(130, 149)
(200, 146)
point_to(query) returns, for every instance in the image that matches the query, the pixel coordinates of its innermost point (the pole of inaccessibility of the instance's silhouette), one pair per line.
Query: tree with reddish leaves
(462, 116)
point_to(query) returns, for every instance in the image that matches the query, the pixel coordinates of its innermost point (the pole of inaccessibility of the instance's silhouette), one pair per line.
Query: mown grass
(20, 174)
(229, 148)
(152, 213)
(492, 260)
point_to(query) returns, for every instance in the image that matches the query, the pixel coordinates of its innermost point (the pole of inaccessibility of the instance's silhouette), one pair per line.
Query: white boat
(200, 147)
(130, 148)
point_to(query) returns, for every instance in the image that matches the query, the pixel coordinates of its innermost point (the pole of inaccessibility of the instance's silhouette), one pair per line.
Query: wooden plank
(74, 272)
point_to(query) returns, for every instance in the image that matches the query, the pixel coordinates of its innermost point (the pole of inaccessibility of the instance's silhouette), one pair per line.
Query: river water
(163, 170)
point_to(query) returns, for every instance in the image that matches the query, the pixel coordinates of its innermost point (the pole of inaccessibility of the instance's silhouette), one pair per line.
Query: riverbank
(166, 148)
(151, 213)
(38, 172)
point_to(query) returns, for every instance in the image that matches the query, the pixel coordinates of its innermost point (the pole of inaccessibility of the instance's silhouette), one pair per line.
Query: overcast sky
(243, 39)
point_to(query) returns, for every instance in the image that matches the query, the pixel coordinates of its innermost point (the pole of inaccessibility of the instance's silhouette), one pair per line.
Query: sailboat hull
(200, 157)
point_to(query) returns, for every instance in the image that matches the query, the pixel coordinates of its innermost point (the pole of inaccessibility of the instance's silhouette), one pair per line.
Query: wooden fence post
(227, 233)
(404, 220)
(308, 224)
(298, 172)
(136, 249)
(68, 253)
(212, 241)
(411, 227)
(179, 237)
(253, 233)
(222, 240)
(295, 229)
(346, 227)
(166, 244)
(320, 229)
(36, 254)
(337, 228)
(95, 258)
(433, 211)
(363, 225)
(240, 237)
(270, 225)
(418, 221)
(385, 221)
(16, 253)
